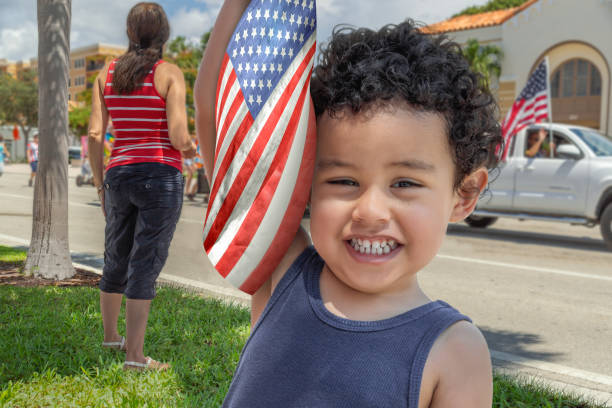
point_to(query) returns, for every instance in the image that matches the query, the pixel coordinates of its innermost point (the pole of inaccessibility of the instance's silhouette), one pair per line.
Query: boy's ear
(467, 196)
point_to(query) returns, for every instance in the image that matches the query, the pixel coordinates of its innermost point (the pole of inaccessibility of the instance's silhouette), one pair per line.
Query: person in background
(3, 154)
(32, 153)
(537, 144)
(109, 140)
(142, 190)
(191, 177)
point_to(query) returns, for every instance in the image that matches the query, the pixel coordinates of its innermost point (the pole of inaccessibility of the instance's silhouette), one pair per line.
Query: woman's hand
(191, 152)
(101, 197)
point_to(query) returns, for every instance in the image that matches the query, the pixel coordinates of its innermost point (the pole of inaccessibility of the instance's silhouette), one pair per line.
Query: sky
(103, 21)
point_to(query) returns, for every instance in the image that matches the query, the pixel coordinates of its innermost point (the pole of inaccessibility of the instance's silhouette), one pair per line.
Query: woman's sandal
(115, 345)
(149, 364)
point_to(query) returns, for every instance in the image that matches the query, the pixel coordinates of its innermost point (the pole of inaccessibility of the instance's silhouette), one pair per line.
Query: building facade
(14, 69)
(86, 63)
(575, 38)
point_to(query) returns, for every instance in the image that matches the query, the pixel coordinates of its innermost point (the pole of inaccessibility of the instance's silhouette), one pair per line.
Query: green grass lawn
(51, 354)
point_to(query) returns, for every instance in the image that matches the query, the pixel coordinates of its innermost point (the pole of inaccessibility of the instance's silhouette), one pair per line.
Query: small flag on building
(531, 106)
(265, 149)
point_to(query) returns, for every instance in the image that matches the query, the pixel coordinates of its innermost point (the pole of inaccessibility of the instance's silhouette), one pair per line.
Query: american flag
(531, 106)
(265, 147)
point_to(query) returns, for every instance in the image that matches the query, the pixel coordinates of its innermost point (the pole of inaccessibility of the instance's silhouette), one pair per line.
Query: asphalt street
(540, 292)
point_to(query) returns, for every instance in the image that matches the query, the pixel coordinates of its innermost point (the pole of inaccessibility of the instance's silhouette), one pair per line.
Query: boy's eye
(343, 182)
(405, 184)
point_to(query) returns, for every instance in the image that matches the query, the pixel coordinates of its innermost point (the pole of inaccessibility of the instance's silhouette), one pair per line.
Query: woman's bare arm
(97, 127)
(176, 113)
(205, 88)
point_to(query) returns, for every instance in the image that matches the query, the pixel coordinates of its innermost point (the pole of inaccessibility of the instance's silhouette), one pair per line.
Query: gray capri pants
(143, 204)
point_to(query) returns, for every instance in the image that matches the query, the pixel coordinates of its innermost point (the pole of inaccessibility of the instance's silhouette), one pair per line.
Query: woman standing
(142, 191)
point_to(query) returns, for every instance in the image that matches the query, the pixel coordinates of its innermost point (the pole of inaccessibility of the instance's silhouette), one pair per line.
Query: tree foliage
(483, 59)
(78, 119)
(187, 56)
(491, 5)
(19, 100)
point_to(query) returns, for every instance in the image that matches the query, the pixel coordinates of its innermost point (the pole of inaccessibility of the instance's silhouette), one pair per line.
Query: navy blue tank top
(301, 355)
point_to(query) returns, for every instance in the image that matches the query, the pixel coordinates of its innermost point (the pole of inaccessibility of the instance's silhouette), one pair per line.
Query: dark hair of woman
(147, 30)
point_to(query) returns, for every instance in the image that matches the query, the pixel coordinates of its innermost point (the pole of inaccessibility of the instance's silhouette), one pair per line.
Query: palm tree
(49, 253)
(484, 59)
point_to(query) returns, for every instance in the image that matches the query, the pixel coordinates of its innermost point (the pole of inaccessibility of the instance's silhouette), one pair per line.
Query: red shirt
(141, 127)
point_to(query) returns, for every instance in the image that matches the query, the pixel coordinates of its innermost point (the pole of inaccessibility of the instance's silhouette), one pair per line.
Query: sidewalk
(24, 168)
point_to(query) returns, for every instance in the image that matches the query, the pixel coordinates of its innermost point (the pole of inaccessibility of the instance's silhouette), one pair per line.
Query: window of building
(79, 63)
(577, 77)
(575, 88)
(79, 81)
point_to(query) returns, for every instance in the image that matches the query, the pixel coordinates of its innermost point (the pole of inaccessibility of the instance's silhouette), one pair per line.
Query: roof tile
(467, 22)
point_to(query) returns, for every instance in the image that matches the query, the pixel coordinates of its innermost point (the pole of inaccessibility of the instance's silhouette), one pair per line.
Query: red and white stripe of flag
(262, 175)
(524, 113)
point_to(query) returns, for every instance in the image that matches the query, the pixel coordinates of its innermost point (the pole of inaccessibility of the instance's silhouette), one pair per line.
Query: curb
(231, 296)
(200, 288)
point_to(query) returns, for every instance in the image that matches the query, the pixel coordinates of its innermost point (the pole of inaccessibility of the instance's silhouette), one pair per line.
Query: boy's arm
(460, 364)
(261, 297)
(205, 87)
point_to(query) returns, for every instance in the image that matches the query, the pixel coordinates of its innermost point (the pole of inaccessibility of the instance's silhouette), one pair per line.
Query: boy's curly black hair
(361, 69)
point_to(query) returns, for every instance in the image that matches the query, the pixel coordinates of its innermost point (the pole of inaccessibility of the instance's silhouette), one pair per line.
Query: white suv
(570, 181)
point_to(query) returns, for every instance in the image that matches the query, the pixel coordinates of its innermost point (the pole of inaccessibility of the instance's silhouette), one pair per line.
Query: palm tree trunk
(49, 254)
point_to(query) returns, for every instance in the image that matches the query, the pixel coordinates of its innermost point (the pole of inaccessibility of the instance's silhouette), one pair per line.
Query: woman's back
(140, 122)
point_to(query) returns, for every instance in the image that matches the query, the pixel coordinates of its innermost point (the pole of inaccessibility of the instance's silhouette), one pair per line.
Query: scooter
(86, 176)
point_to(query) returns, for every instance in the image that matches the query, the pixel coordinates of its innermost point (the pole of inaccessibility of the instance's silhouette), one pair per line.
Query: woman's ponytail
(148, 30)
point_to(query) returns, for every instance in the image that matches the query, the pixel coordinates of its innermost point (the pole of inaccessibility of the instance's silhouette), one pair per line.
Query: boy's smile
(382, 197)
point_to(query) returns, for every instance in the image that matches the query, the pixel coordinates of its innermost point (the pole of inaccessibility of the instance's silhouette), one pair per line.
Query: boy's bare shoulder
(458, 370)
(300, 242)
(263, 294)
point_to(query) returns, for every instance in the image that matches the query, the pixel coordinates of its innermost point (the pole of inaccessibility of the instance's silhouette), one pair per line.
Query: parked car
(74, 153)
(571, 182)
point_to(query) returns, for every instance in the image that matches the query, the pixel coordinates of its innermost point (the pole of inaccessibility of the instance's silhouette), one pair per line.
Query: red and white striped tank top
(141, 127)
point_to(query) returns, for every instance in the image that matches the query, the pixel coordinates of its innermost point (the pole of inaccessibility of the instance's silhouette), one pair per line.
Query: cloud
(192, 23)
(19, 43)
(377, 13)
(95, 21)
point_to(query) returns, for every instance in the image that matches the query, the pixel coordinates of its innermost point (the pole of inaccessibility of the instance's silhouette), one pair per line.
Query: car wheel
(476, 221)
(605, 224)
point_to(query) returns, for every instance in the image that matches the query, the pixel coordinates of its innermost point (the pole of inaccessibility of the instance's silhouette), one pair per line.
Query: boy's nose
(371, 208)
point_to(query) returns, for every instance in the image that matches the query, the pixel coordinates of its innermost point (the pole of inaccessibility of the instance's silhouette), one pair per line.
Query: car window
(560, 139)
(531, 139)
(599, 144)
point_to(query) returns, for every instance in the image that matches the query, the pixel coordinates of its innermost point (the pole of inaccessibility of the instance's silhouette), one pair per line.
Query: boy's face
(382, 197)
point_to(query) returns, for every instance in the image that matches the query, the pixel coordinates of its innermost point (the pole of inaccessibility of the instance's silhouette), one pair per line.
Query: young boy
(404, 140)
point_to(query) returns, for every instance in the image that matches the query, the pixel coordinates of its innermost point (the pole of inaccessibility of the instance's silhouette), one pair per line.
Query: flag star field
(269, 35)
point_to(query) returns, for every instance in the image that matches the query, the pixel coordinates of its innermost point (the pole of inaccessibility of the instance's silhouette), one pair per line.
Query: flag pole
(549, 99)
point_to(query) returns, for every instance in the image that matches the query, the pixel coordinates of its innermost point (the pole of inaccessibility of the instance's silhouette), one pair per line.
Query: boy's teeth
(373, 247)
